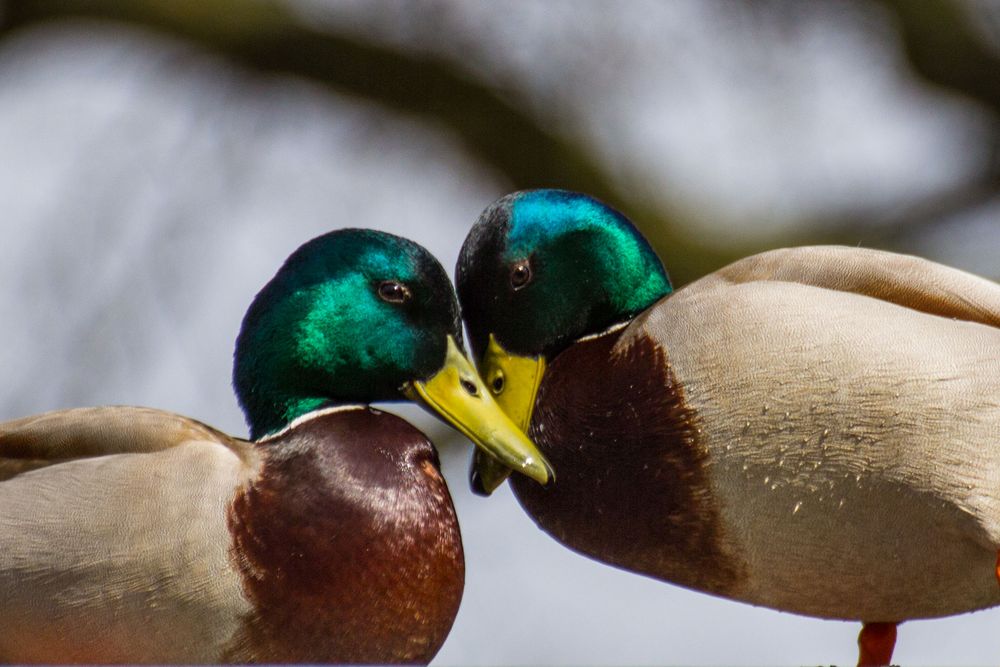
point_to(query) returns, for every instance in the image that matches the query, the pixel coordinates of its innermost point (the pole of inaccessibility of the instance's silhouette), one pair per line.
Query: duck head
(538, 271)
(358, 316)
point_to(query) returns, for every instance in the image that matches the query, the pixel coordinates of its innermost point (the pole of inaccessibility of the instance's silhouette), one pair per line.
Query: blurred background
(160, 158)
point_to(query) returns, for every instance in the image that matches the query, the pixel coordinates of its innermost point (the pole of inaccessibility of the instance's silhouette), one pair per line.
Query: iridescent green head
(350, 318)
(542, 268)
(357, 316)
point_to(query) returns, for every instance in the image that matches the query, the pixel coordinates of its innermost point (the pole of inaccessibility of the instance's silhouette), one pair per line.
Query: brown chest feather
(631, 487)
(347, 545)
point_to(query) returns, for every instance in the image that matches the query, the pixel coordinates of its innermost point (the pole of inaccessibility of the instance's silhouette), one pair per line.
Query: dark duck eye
(393, 292)
(520, 274)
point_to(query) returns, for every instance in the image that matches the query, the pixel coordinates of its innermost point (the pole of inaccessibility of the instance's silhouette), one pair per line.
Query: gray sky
(147, 192)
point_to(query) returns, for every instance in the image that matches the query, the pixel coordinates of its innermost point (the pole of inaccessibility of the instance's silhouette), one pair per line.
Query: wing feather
(904, 280)
(40, 440)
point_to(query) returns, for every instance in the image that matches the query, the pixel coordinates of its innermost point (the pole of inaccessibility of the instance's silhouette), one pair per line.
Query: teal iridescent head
(539, 270)
(358, 316)
(542, 268)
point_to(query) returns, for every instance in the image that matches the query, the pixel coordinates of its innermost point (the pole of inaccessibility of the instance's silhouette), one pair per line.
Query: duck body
(167, 541)
(816, 430)
(133, 535)
(804, 448)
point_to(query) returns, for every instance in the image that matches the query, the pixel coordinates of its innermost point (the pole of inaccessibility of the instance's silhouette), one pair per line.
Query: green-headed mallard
(815, 430)
(135, 535)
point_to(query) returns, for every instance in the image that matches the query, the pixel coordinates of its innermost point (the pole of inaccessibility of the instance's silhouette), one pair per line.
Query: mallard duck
(815, 429)
(136, 535)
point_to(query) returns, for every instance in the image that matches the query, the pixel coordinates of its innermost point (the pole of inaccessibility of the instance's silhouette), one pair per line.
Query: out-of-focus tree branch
(944, 49)
(264, 37)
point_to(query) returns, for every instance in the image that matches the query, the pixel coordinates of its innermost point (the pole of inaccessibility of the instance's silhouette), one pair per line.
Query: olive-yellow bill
(514, 381)
(457, 394)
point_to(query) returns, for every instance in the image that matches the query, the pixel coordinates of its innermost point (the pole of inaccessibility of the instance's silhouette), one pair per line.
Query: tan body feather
(114, 538)
(132, 535)
(849, 403)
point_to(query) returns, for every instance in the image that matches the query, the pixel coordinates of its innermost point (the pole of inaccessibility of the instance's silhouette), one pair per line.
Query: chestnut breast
(632, 488)
(347, 545)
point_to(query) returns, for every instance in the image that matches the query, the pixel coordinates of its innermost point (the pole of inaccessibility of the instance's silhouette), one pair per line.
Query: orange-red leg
(875, 644)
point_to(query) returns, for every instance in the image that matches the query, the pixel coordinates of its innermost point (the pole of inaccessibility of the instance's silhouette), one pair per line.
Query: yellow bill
(458, 395)
(514, 381)
(486, 474)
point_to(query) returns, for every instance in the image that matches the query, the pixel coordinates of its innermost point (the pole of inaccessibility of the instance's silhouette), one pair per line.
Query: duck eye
(393, 292)
(520, 274)
(497, 384)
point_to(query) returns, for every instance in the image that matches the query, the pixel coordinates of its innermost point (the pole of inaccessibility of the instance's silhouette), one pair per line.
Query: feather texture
(850, 404)
(119, 526)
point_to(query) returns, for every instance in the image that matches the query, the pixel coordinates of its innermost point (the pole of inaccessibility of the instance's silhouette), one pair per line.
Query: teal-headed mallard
(815, 430)
(135, 535)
